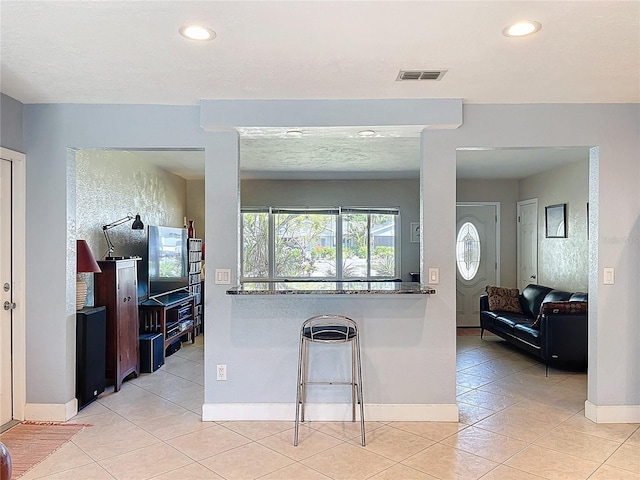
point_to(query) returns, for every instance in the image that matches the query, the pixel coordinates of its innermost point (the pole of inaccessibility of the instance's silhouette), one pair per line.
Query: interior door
(527, 248)
(6, 300)
(476, 258)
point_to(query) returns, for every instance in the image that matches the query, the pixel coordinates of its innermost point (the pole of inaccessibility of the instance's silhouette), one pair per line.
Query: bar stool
(330, 329)
(5, 462)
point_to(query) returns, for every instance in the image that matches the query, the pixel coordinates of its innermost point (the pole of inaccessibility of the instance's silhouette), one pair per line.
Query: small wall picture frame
(415, 232)
(556, 221)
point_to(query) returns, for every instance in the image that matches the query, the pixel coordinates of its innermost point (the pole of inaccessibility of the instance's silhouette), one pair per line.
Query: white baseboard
(51, 412)
(330, 412)
(612, 413)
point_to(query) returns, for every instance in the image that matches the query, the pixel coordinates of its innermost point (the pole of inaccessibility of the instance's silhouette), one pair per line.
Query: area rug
(29, 443)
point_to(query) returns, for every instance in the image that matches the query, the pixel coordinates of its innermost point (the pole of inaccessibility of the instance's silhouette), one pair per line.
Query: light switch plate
(434, 276)
(609, 276)
(222, 276)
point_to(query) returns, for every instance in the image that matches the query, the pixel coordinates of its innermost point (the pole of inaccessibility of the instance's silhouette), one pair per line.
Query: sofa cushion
(506, 323)
(502, 299)
(561, 308)
(526, 332)
(532, 297)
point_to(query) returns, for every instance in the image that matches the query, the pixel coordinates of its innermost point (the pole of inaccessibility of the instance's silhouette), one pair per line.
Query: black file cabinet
(91, 334)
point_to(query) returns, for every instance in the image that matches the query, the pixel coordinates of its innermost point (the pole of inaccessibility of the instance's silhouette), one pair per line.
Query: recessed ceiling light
(294, 133)
(366, 133)
(197, 32)
(520, 29)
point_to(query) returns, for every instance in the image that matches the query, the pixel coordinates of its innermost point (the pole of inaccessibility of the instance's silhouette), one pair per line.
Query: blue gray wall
(233, 336)
(11, 113)
(614, 207)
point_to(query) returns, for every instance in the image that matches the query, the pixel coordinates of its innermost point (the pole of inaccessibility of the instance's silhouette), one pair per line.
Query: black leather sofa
(559, 335)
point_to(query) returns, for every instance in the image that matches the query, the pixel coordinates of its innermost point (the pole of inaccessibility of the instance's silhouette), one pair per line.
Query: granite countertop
(331, 288)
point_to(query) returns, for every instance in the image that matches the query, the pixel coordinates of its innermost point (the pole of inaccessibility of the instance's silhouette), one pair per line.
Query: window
(468, 251)
(322, 243)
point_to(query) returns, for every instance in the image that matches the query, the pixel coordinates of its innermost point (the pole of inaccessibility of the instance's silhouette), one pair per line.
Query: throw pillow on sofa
(562, 308)
(503, 299)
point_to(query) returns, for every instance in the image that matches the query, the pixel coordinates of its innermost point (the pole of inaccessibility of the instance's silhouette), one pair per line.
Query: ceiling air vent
(421, 74)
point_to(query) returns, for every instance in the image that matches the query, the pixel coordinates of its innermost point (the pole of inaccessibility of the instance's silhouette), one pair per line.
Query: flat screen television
(167, 259)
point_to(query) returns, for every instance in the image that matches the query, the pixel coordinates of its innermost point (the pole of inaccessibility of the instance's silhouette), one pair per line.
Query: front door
(6, 301)
(476, 258)
(527, 235)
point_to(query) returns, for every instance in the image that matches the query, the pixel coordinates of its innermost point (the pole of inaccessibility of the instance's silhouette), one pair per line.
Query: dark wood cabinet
(116, 288)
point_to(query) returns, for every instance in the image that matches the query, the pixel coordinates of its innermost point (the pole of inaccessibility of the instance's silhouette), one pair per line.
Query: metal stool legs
(329, 329)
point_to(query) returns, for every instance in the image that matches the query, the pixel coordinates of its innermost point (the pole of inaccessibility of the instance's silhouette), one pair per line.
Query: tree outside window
(308, 244)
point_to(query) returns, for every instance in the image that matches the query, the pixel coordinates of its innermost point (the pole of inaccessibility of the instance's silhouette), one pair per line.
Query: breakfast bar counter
(331, 288)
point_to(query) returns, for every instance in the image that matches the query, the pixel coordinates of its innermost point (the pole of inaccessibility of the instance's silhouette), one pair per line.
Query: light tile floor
(515, 423)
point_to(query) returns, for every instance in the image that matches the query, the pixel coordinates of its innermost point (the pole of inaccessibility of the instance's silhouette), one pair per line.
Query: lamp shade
(85, 260)
(137, 223)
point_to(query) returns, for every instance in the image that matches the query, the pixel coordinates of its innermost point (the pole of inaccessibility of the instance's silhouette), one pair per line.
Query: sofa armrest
(484, 303)
(564, 337)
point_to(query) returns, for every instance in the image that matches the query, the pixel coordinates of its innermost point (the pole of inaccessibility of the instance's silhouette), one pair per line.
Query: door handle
(9, 305)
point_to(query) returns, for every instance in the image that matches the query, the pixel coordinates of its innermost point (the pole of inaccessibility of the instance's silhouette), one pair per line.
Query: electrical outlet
(221, 372)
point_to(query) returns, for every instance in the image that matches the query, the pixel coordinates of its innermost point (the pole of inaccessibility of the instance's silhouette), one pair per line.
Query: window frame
(339, 212)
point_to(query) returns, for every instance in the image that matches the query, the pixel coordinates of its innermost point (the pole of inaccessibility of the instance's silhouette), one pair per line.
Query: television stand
(172, 315)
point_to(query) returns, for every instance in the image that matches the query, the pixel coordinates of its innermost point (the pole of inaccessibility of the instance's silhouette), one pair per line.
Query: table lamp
(136, 225)
(86, 263)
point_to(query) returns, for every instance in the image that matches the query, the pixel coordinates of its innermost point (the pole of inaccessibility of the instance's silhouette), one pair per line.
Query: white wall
(404, 194)
(563, 263)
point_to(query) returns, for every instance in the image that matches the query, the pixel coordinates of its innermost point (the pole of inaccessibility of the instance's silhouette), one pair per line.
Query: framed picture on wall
(415, 232)
(555, 221)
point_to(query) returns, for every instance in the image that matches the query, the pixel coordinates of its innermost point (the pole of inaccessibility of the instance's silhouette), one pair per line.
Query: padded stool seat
(330, 329)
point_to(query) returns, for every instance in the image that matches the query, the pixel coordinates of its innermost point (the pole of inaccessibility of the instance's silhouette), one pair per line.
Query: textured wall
(562, 262)
(195, 205)
(111, 184)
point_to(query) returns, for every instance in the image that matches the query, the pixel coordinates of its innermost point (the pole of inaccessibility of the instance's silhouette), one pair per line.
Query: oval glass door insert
(468, 251)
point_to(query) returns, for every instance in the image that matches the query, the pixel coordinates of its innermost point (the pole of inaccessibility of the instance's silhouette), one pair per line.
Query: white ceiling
(271, 159)
(130, 52)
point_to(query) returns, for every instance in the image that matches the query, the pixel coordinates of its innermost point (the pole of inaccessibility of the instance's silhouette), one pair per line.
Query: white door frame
(533, 201)
(18, 266)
